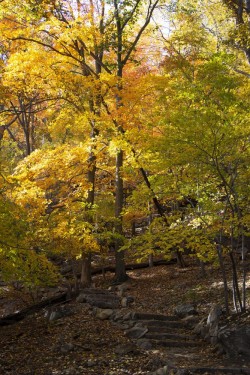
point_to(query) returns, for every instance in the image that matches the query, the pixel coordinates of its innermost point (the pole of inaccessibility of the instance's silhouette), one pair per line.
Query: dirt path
(80, 344)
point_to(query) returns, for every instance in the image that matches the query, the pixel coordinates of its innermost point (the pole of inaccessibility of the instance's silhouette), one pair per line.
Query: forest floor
(80, 344)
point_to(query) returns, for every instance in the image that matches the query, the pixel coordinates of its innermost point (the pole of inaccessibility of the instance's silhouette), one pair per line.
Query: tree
(240, 11)
(207, 141)
(92, 55)
(20, 262)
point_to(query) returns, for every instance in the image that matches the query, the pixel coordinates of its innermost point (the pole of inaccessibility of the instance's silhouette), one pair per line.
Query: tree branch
(137, 38)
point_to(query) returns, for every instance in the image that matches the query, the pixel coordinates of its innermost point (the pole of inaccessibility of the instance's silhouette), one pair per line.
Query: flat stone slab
(163, 336)
(136, 332)
(94, 291)
(102, 304)
(145, 316)
(169, 329)
(217, 370)
(175, 344)
(163, 324)
(99, 298)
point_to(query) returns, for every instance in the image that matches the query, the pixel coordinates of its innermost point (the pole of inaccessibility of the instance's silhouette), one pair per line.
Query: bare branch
(138, 36)
(130, 15)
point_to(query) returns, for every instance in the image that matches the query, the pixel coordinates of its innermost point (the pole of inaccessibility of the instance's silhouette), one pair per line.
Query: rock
(118, 316)
(167, 370)
(70, 371)
(184, 310)
(102, 301)
(125, 349)
(235, 340)
(191, 320)
(128, 316)
(99, 297)
(136, 332)
(162, 371)
(122, 326)
(214, 314)
(104, 314)
(58, 313)
(130, 299)
(66, 268)
(144, 344)
(124, 302)
(182, 371)
(213, 323)
(91, 363)
(66, 348)
(81, 298)
(201, 328)
(122, 288)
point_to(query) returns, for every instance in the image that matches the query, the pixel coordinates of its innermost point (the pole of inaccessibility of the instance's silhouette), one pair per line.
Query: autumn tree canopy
(114, 112)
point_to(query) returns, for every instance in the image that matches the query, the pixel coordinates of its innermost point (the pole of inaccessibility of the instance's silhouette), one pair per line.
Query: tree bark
(120, 273)
(86, 271)
(224, 276)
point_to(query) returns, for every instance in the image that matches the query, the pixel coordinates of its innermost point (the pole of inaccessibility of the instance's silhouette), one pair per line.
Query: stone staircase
(101, 298)
(162, 330)
(184, 352)
(182, 347)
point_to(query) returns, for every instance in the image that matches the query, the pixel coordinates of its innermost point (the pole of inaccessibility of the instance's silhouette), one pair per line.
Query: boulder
(122, 288)
(130, 299)
(125, 301)
(91, 363)
(136, 332)
(58, 313)
(128, 316)
(213, 323)
(67, 347)
(191, 320)
(104, 314)
(102, 299)
(184, 310)
(118, 316)
(235, 340)
(144, 344)
(201, 328)
(81, 298)
(166, 370)
(125, 349)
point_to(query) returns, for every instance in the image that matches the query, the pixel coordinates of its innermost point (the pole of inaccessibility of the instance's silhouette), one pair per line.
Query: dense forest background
(124, 130)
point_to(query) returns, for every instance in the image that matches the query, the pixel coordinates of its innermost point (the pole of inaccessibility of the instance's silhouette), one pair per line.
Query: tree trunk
(86, 278)
(180, 259)
(243, 259)
(224, 276)
(86, 271)
(202, 268)
(235, 283)
(120, 273)
(150, 219)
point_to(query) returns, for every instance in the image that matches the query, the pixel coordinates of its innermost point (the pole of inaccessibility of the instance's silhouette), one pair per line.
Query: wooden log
(20, 315)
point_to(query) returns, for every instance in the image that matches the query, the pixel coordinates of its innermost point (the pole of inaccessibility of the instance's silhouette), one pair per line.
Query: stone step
(201, 370)
(163, 324)
(217, 370)
(95, 291)
(104, 304)
(101, 297)
(164, 336)
(170, 329)
(148, 316)
(175, 343)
